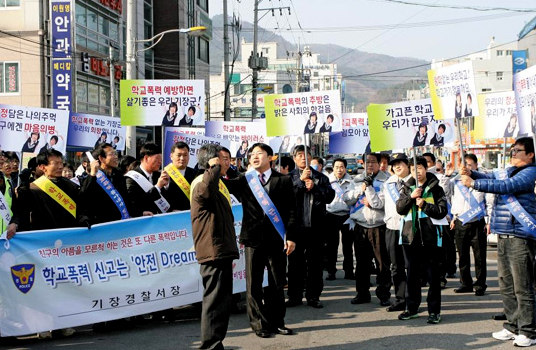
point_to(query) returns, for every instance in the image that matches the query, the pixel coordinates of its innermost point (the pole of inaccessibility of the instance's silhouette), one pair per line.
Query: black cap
(397, 157)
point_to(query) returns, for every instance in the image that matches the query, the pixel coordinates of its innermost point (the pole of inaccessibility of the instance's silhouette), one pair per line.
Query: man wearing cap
(391, 193)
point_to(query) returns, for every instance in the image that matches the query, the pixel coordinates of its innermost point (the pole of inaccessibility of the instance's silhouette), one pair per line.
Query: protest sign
(195, 142)
(354, 137)
(162, 102)
(525, 91)
(115, 270)
(498, 116)
(86, 130)
(241, 134)
(31, 129)
(285, 144)
(407, 124)
(303, 113)
(453, 91)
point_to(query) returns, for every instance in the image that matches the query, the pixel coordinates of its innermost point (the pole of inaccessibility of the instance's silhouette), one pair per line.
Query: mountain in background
(355, 65)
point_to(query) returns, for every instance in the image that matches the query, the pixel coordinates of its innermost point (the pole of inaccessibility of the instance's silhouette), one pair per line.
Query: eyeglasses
(516, 150)
(112, 154)
(371, 162)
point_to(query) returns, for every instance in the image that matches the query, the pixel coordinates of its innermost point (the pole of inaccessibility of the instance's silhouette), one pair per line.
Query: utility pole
(253, 63)
(226, 44)
(112, 82)
(131, 68)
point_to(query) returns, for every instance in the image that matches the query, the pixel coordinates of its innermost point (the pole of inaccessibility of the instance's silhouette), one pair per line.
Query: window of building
(500, 52)
(203, 4)
(508, 52)
(499, 75)
(202, 47)
(9, 77)
(92, 94)
(9, 3)
(95, 29)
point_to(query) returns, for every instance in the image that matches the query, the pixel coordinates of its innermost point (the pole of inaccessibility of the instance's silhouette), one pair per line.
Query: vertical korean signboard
(60, 11)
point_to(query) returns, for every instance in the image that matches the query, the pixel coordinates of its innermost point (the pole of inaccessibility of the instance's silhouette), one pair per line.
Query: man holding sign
(513, 218)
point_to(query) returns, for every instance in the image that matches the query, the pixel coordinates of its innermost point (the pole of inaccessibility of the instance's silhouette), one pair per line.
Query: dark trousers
(472, 235)
(333, 227)
(266, 307)
(427, 258)
(398, 266)
(450, 248)
(515, 258)
(369, 244)
(217, 295)
(305, 266)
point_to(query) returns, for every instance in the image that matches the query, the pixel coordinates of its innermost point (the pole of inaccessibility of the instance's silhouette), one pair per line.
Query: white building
(527, 41)
(301, 71)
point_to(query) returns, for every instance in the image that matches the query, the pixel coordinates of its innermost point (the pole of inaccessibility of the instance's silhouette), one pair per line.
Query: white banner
(525, 90)
(195, 142)
(241, 134)
(55, 279)
(32, 130)
(88, 131)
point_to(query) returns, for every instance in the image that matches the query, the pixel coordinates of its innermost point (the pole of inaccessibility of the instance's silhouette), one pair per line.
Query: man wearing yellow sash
(215, 246)
(8, 199)
(50, 201)
(181, 176)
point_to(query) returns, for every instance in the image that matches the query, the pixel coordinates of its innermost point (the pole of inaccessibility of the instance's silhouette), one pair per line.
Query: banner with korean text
(115, 270)
(525, 91)
(87, 130)
(62, 52)
(407, 124)
(303, 113)
(162, 102)
(354, 137)
(195, 142)
(285, 144)
(241, 134)
(453, 91)
(31, 129)
(498, 116)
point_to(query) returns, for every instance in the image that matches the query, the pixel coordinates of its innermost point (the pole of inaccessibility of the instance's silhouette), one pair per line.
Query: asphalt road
(466, 324)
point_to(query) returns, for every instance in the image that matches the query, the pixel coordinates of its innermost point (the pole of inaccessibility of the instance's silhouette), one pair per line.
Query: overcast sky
(377, 26)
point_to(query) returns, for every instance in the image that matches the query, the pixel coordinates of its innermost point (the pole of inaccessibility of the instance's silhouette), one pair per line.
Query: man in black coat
(95, 203)
(151, 160)
(265, 248)
(313, 191)
(180, 156)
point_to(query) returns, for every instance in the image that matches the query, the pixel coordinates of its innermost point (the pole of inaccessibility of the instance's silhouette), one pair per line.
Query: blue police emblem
(23, 276)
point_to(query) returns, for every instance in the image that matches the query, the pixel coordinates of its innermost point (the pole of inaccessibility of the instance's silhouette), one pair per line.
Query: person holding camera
(367, 215)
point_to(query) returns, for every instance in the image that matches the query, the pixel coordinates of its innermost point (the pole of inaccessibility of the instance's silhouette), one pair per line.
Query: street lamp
(131, 42)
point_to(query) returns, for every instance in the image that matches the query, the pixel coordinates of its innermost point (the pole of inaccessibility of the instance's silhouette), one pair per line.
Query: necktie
(261, 177)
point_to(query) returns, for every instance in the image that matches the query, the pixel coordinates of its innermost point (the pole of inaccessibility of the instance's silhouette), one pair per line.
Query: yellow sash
(56, 194)
(178, 178)
(223, 189)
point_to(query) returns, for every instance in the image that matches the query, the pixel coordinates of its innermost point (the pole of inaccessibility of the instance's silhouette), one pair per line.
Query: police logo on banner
(23, 276)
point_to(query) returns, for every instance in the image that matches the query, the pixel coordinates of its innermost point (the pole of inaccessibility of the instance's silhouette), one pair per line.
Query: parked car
(351, 166)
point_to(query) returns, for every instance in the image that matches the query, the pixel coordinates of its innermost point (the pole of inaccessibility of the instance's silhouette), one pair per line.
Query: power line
(475, 8)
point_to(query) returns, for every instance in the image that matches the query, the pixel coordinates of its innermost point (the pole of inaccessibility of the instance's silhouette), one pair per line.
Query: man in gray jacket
(367, 213)
(337, 214)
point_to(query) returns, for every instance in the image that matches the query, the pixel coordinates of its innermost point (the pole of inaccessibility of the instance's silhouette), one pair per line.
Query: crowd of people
(402, 219)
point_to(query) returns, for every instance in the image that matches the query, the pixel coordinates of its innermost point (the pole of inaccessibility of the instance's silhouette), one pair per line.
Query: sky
(389, 27)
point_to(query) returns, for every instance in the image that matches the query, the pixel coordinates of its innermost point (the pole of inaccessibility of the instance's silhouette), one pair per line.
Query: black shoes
(293, 302)
(463, 289)
(385, 302)
(331, 277)
(479, 292)
(499, 317)
(262, 333)
(316, 303)
(360, 299)
(284, 331)
(396, 307)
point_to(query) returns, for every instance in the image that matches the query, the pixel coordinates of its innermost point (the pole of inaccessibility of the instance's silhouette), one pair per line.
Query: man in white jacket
(366, 217)
(391, 193)
(468, 210)
(337, 214)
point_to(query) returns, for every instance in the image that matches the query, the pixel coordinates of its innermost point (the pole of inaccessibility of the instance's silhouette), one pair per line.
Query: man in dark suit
(180, 156)
(151, 160)
(265, 248)
(313, 191)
